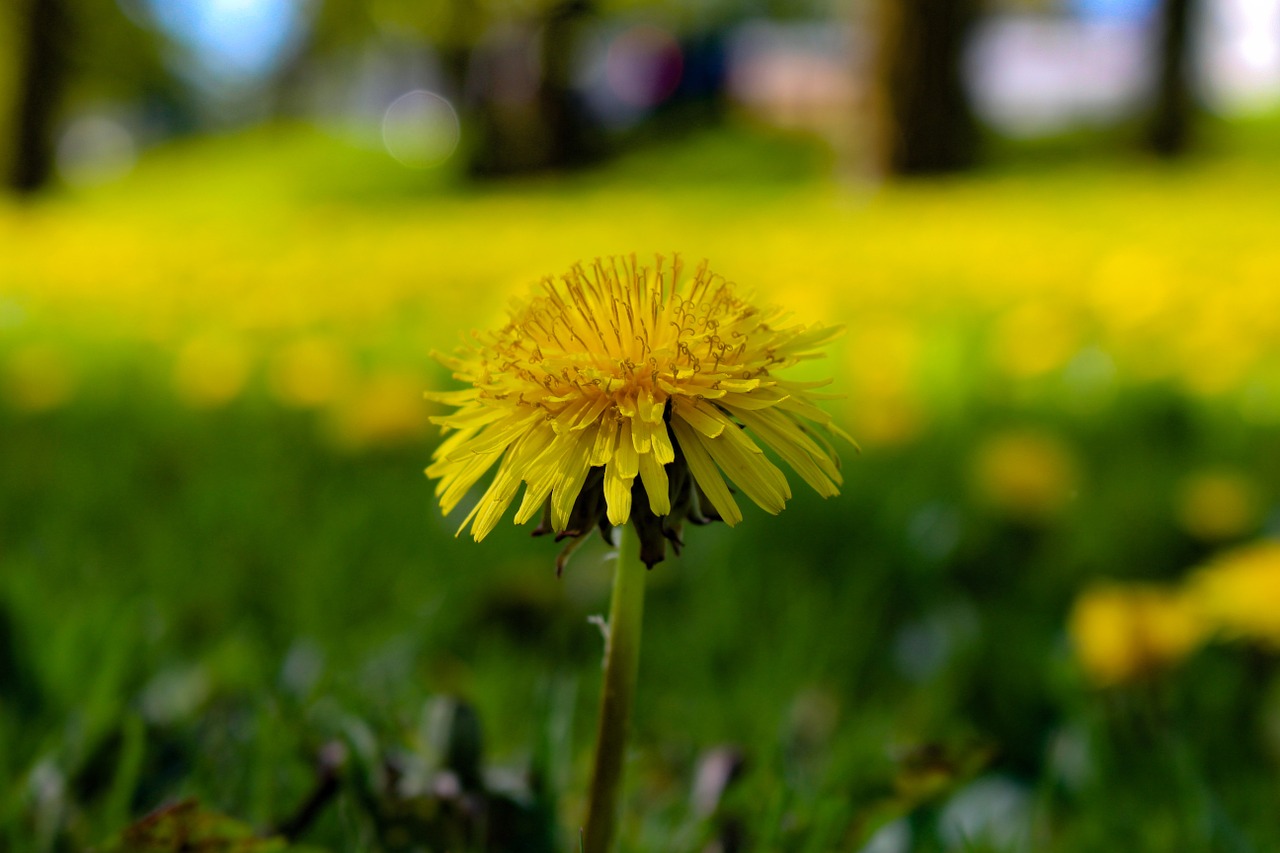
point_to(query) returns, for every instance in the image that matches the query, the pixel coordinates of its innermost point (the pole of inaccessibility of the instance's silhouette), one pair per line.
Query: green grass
(193, 602)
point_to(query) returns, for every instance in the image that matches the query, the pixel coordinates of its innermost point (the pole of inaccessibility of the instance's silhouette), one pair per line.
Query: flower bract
(620, 392)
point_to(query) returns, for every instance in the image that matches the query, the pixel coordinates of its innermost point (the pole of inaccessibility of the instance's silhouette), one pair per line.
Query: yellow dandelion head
(1029, 474)
(622, 393)
(1124, 632)
(1218, 504)
(1238, 591)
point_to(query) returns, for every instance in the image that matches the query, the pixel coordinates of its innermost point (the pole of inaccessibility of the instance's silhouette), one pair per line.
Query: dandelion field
(219, 556)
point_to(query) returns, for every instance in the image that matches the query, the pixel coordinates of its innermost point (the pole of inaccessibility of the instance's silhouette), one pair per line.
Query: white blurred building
(1029, 74)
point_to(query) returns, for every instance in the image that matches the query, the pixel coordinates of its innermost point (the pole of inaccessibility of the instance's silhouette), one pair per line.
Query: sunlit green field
(218, 553)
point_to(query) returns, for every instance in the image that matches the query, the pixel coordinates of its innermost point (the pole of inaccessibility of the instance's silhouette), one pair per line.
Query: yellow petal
(455, 485)
(472, 416)
(641, 432)
(540, 474)
(699, 415)
(786, 439)
(704, 471)
(625, 456)
(617, 493)
(654, 477)
(761, 399)
(573, 473)
(747, 466)
(451, 443)
(651, 409)
(569, 415)
(452, 398)
(494, 502)
(606, 441)
(499, 435)
(594, 411)
(661, 444)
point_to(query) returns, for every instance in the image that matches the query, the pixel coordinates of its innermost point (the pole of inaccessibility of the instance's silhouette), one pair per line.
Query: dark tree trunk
(925, 120)
(41, 75)
(464, 28)
(1169, 133)
(569, 126)
(455, 54)
(521, 128)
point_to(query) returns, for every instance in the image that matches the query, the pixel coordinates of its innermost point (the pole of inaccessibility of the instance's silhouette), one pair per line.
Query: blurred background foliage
(1042, 616)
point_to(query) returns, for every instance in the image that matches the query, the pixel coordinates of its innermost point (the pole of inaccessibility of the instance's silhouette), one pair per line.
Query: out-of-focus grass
(218, 551)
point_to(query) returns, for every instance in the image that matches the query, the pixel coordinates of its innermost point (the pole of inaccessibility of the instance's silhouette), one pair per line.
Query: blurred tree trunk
(463, 29)
(42, 73)
(547, 127)
(569, 125)
(1169, 131)
(924, 119)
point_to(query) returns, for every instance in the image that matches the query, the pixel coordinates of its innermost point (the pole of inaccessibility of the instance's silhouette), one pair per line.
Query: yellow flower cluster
(1239, 592)
(1077, 283)
(1124, 632)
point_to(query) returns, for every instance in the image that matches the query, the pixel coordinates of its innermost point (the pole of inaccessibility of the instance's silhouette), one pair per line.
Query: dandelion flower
(1238, 591)
(1122, 633)
(622, 393)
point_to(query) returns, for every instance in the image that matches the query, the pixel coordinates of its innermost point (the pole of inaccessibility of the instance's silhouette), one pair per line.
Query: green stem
(621, 663)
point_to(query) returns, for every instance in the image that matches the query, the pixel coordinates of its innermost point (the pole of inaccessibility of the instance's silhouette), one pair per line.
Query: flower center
(623, 335)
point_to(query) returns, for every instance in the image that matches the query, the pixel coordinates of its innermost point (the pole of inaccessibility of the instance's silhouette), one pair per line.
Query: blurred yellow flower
(1158, 303)
(211, 370)
(1035, 338)
(386, 408)
(1216, 349)
(1028, 474)
(1121, 633)
(1239, 592)
(310, 372)
(38, 377)
(623, 372)
(1131, 287)
(1218, 504)
(883, 361)
(887, 421)
(884, 357)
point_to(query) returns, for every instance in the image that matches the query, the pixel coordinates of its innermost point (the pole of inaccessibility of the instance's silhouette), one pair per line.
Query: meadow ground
(218, 553)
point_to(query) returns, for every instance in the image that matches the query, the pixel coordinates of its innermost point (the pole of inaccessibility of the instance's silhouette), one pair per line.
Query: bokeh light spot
(95, 150)
(233, 37)
(644, 66)
(421, 129)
